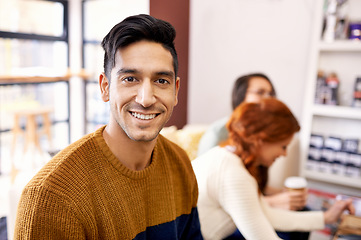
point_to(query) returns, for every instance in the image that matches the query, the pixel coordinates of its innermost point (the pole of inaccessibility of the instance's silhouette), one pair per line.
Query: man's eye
(162, 81)
(129, 79)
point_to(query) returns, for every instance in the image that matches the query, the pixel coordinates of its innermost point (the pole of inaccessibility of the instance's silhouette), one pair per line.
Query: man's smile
(144, 116)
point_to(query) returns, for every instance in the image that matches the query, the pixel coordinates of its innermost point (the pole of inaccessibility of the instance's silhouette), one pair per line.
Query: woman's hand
(334, 213)
(289, 200)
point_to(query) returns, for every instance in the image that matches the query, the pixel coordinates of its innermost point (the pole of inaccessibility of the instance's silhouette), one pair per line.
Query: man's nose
(145, 95)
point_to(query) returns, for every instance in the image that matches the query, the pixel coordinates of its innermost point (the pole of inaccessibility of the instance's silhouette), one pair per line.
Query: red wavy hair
(269, 120)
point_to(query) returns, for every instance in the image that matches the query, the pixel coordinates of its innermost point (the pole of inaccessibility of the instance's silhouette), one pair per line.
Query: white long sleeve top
(229, 199)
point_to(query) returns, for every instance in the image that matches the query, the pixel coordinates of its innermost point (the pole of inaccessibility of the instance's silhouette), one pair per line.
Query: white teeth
(142, 116)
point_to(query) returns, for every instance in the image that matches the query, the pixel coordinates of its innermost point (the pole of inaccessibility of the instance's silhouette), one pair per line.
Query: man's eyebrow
(126, 70)
(135, 71)
(166, 73)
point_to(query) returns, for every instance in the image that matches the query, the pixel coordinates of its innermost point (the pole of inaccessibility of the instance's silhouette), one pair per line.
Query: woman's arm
(288, 200)
(239, 197)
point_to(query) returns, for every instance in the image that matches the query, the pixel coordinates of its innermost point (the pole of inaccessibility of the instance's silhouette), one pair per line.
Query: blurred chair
(31, 133)
(187, 138)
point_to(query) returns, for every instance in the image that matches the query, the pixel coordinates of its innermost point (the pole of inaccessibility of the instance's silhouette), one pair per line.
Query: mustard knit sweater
(84, 192)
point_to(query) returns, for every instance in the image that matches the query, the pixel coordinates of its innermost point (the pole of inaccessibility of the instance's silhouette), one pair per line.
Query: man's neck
(135, 155)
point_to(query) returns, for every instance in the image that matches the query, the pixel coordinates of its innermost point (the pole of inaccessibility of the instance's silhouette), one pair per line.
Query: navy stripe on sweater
(185, 227)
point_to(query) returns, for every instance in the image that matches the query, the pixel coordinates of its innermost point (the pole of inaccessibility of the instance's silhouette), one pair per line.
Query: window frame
(29, 36)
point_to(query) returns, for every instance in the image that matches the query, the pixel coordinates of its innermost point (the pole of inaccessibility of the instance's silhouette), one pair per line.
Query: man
(124, 181)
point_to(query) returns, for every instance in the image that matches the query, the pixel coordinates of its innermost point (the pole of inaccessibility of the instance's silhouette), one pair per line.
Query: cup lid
(295, 182)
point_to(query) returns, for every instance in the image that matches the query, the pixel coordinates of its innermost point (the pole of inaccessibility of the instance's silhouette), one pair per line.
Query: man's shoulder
(67, 163)
(85, 143)
(170, 147)
(173, 155)
(81, 145)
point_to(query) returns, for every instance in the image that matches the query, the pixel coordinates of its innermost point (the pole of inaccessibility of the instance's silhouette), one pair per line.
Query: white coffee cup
(295, 183)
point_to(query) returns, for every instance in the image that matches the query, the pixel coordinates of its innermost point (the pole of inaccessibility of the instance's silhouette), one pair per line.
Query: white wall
(234, 37)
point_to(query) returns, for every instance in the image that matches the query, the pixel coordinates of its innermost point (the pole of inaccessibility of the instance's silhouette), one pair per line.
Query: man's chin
(143, 137)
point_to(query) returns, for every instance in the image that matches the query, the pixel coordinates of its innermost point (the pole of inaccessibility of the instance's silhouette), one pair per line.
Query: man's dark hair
(241, 85)
(134, 29)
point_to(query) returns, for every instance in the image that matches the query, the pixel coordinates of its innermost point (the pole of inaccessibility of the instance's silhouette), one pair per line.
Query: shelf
(332, 178)
(337, 111)
(340, 45)
(8, 80)
(342, 57)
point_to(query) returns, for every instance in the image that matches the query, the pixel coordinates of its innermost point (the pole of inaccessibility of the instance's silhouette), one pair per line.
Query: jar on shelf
(333, 82)
(320, 94)
(357, 93)
(355, 31)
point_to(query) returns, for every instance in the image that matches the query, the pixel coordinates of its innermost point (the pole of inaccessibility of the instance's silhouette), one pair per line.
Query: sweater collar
(110, 157)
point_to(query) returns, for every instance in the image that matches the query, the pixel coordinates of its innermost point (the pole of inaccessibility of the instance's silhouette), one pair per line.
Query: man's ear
(177, 85)
(104, 87)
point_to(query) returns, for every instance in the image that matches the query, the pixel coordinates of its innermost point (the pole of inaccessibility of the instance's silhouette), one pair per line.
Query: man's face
(143, 90)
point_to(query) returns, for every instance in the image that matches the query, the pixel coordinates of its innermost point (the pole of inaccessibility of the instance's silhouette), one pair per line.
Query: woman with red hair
(231, 178)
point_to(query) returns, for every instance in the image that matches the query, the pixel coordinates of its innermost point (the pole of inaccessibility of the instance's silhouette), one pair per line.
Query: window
(33, 43)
